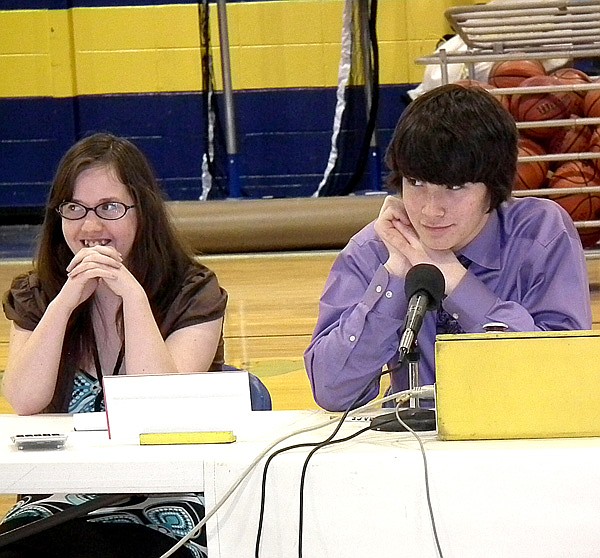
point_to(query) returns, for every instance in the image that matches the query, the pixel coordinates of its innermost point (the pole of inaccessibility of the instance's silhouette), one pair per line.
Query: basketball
(533, 107)
(511, 73)
(581, 207)
(595, 147)
(573, 76)
(570, 139)
(532, 146)
(468, 83)
(591, 104)
(530, 174)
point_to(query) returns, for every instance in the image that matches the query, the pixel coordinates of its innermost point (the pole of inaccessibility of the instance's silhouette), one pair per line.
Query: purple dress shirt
(528, 271)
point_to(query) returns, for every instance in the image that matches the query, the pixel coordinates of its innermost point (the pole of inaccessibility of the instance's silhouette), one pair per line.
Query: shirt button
(389, 294)
(352, 338)
(455, 316)
(378, 289)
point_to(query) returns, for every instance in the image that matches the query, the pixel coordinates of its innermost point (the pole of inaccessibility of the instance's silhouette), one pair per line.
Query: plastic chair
(260, 398)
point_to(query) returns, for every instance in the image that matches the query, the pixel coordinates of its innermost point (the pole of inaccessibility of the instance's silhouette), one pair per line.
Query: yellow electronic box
(518, 385)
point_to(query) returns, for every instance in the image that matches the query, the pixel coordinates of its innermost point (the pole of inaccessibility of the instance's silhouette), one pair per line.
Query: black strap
(99, 374)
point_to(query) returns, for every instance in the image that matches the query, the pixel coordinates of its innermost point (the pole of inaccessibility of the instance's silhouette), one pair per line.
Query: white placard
(200, 402)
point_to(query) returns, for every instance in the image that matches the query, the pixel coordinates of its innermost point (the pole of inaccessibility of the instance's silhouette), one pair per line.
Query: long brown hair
(158, 259)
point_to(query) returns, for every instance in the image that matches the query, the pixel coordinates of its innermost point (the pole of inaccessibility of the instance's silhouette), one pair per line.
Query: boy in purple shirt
(453, 160)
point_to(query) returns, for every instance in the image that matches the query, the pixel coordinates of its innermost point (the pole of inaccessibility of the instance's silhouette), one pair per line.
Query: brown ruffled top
(200, 299)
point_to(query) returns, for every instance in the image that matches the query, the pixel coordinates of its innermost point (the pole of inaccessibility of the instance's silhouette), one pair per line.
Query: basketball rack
(542, 29)
(552, 26)
(536, 30)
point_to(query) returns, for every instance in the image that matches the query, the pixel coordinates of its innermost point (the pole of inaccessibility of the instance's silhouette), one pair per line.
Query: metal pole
(235, 189)
(413, 375)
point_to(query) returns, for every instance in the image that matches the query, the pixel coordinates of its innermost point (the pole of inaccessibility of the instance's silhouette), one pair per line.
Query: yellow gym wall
(279, 44)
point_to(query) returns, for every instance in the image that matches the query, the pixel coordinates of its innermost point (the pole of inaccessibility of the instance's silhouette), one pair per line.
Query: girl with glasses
(113, 291)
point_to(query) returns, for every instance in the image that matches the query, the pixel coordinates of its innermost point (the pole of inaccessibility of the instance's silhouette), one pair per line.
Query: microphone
(424, 287)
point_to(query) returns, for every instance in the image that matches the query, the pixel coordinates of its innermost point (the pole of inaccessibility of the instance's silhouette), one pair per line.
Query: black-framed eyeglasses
(109, 211)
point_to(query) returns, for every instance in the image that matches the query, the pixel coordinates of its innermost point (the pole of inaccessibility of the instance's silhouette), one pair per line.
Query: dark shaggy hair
(452, 135)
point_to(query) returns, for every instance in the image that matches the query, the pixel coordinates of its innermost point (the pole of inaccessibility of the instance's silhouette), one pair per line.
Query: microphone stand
(424, 287)
(413, 374)
(415, 417)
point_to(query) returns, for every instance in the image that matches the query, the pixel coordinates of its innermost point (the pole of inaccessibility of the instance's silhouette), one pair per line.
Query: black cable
(295, 446)
(303, 476)
(319, 445)
(329, 443)
(209, 103)
(261, 514)
(364, 152)
(352, 405)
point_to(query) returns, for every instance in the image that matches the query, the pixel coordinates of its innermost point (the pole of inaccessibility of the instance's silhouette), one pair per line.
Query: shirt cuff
(470, 303)
(385, 294)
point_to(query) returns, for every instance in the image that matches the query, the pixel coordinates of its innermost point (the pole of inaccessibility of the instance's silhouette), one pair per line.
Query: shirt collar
(484, 249)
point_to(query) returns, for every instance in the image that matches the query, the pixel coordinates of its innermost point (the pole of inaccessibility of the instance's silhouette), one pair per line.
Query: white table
(92, 463)
(520, 498)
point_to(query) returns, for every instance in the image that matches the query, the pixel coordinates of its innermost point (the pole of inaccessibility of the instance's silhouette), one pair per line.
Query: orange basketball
(530, 174)
(511, 73)
(504, 99)
(570, 139)
(595, 147)
(573, 76)
(532, 146)
(591, 104)
(581, 207)
(533, 107)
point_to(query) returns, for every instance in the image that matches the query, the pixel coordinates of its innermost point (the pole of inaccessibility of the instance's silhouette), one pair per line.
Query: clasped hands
(406, 249)
(94, 266)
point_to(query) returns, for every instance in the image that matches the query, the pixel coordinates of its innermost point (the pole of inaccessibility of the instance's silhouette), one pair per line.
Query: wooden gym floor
(271, 313)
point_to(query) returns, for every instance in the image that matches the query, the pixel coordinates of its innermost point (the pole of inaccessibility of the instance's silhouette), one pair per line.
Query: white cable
(238, 481)
(424, 391)
(426, 472)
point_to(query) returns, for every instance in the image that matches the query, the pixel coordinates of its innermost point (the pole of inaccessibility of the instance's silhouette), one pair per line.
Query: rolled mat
(267, 225)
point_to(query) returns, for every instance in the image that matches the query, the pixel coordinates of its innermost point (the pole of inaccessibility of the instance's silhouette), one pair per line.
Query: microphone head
(427, 278)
